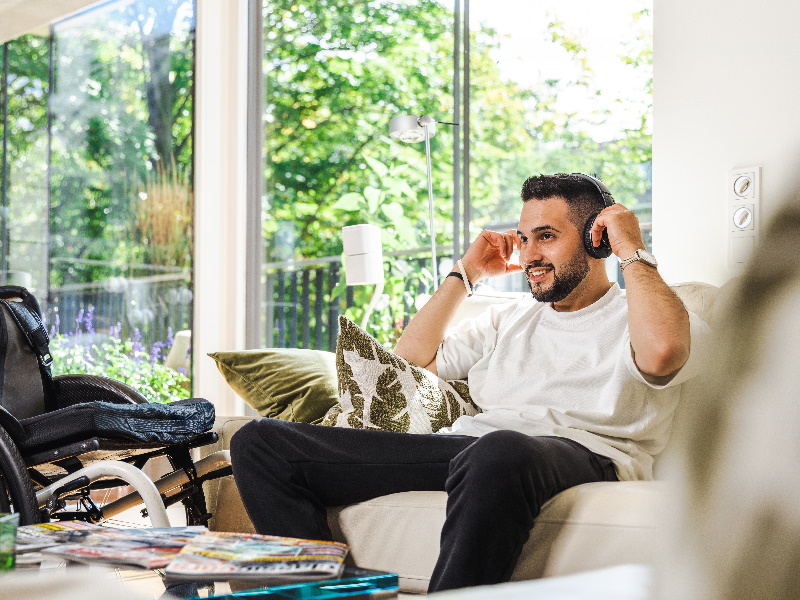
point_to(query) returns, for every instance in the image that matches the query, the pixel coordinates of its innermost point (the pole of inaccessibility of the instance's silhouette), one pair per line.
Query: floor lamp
(412, 129)
(363, 261)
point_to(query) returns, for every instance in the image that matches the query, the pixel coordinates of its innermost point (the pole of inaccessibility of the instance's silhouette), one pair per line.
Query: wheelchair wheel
(16, 490)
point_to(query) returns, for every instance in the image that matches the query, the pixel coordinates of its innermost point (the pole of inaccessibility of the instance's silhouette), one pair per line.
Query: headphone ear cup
(601, 251)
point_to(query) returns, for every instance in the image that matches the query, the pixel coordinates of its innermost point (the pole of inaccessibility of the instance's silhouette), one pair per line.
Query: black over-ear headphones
(604, 249)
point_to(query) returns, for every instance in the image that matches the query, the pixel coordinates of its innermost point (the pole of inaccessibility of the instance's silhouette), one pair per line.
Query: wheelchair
(84, 435)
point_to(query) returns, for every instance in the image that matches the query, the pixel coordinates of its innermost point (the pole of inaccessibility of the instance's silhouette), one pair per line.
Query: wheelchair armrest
(11, 425)
(79, 388)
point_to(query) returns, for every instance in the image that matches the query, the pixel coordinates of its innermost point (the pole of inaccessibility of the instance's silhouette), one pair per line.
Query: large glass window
(538, 87)
(559, 87)
(97, 177)
(336, 72)
(23, 220)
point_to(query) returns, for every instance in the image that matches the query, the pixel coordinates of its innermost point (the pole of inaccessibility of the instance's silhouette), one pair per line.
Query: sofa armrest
(224, 427)
(222, 496)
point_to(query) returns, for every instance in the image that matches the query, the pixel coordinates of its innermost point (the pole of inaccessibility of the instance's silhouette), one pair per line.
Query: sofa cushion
(380, 390)
(282, 383)
(590, 526)
(594, 525)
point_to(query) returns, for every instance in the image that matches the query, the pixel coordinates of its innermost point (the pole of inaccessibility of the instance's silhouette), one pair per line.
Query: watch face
(647, 257)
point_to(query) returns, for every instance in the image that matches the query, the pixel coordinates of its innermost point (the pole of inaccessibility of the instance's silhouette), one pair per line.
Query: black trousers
(288, 473)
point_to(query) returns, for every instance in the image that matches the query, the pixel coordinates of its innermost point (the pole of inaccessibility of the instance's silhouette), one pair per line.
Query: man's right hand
(489, 255)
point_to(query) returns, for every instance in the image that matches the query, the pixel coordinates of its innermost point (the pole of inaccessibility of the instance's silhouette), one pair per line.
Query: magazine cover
(148, 548)
(220, 556)
(32, 538)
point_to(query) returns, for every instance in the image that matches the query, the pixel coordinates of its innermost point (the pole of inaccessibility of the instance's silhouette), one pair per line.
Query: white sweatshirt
(569, 374)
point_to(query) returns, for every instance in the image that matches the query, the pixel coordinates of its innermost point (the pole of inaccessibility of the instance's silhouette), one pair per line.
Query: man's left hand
(622, 226)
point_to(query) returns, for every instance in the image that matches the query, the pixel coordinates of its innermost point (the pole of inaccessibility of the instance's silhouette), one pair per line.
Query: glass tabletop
(353, 584)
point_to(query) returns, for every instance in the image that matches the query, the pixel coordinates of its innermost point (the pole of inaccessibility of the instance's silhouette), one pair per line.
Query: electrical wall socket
(743, 213)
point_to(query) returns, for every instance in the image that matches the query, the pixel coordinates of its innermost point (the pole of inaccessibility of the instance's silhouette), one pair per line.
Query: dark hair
(583, 198)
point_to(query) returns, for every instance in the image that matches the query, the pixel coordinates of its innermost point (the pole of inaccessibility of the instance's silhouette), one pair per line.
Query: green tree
(122, 111)
(336, 73)
(562, 140)
(25, 159)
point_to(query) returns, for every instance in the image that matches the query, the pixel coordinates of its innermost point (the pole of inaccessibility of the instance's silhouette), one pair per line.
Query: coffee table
(354, 584)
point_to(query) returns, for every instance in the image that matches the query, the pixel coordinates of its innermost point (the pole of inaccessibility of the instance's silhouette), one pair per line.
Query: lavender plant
(126, 360)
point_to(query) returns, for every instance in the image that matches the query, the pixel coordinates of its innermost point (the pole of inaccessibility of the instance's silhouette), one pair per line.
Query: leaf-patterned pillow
(380, 390)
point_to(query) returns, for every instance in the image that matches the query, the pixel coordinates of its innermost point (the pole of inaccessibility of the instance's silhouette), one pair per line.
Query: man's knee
(243, 440)
(256, 441)
(495, 461)
(499, 452)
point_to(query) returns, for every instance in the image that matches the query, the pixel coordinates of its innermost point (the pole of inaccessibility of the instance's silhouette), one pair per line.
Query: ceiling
(27, 16)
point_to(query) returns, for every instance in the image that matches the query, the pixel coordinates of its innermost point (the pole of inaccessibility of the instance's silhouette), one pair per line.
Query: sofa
(590, 526)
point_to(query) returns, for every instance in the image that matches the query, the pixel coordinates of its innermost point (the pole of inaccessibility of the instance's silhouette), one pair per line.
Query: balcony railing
(303, 305)
(303, 300)
(148, 306)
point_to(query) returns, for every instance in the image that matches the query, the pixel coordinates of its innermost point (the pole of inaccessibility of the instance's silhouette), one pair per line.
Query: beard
(565, 279)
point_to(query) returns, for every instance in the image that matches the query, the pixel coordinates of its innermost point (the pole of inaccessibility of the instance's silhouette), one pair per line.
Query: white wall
(727, 95)
(220, 195)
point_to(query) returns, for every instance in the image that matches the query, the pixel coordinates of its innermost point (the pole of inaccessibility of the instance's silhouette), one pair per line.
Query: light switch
(741, 249)
(743, 217)
(743, 205)
(743, 186)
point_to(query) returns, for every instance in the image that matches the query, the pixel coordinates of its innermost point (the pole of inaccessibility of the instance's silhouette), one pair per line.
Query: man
(577, 387)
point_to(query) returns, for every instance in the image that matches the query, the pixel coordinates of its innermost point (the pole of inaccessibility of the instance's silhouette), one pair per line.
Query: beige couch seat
(591, 526)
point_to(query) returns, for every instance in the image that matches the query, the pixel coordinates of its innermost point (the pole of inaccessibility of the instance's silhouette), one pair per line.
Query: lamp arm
(373, 301)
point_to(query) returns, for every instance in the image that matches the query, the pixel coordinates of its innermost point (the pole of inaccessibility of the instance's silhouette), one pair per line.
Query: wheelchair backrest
(25, 381)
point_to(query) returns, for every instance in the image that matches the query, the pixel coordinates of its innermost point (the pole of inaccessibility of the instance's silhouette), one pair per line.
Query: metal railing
(303, 301)
(154, 306)
(303, 304)
(301, 310)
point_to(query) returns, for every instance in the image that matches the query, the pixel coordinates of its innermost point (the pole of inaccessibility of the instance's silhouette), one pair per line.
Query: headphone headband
(601, 187)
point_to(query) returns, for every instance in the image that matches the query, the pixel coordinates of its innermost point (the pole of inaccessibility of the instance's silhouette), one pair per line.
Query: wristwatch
(642, 255)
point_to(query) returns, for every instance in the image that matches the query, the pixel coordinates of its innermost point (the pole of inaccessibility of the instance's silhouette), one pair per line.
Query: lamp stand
(409, 128)
(432, 233)
(372, 302)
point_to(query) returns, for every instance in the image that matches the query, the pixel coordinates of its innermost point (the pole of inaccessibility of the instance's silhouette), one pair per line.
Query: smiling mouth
(537, 274)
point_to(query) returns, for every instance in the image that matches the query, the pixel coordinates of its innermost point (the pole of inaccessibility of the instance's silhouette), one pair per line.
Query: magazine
(150, 548)
(32, 538)
(220, 556)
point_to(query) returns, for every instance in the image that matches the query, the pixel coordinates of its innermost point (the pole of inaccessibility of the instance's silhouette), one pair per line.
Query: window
(23, 222)
(336, 71)
(100, 190)
(534, 87)
(557, 87)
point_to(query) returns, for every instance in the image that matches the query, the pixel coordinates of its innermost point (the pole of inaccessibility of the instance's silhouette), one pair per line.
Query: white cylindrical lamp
(363, 254)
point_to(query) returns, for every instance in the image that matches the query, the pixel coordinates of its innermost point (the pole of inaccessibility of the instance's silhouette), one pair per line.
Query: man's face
(551, 249)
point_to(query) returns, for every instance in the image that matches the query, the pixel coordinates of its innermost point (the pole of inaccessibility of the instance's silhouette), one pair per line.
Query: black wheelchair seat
(164, 424)
(54, 428)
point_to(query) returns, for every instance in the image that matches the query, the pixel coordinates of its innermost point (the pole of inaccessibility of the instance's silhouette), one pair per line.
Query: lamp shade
(363, 254)
(409, 128)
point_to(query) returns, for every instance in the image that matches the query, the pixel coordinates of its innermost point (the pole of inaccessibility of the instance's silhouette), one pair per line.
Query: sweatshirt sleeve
(469, 341)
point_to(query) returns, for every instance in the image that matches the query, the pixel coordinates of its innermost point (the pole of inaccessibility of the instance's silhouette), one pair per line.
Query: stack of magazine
(191, 553)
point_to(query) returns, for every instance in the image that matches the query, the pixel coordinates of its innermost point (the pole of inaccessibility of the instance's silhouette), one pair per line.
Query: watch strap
(635, 257)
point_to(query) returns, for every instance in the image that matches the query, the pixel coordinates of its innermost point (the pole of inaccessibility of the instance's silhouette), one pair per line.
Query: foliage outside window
(23, 185)
(336, 72)
(99, 128)
(126, 360)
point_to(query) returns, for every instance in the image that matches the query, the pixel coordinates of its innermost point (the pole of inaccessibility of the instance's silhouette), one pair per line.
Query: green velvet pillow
(282, 383)
(381, 390)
